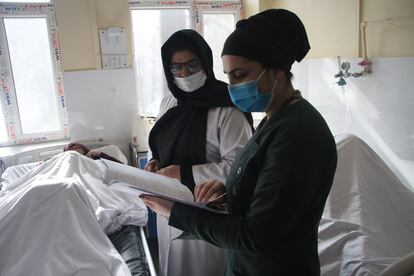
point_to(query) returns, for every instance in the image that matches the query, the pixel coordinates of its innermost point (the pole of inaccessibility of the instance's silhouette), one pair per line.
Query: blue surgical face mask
(247, 97)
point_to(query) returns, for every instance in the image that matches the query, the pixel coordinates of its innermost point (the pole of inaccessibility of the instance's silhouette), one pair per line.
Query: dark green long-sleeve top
(276, 192)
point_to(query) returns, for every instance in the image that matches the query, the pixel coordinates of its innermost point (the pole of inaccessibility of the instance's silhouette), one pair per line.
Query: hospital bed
(367, 226)
(368, 222)
(130, 240)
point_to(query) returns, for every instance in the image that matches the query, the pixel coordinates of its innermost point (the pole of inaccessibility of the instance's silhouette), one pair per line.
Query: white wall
(381, 106)
(333, 26)
(101, 104)
(79, 22)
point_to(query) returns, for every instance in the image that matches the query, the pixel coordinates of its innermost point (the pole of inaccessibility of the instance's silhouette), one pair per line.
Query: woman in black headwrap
(278, 185)
(195, 139)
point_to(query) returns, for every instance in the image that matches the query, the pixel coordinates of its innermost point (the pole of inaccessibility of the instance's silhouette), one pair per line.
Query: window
(154, 22)
(216, 28)
(152, 27)
(33, 107)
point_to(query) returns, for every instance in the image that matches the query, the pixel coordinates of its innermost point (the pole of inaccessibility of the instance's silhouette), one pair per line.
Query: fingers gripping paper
(121, 177)
(136, 181)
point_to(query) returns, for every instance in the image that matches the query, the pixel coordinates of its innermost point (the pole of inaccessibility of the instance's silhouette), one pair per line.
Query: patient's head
(76, 147)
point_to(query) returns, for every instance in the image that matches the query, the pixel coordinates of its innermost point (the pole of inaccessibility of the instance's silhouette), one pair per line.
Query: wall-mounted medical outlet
(344, 73)
(114, 52)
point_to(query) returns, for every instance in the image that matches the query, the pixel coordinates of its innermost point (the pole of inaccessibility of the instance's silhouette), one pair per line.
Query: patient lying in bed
(54, 218)
(94, 154)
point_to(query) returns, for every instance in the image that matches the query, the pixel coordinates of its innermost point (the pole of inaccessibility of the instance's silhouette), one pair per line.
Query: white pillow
(112, 151)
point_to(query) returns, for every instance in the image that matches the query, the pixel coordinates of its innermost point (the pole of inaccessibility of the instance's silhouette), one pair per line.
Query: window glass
(33, 75)
(151, 29)
(217, 27)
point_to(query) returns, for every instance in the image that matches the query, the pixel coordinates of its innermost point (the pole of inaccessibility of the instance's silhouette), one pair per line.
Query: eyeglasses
(192, 66)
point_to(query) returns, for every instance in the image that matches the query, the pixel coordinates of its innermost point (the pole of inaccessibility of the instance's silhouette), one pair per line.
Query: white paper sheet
(145, 181)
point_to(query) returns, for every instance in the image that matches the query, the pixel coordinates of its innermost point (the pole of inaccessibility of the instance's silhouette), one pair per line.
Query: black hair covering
(213, 93)
(275, 38)
(179, 136)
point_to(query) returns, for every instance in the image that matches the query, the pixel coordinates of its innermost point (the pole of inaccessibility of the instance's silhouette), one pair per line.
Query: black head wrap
(275, 38)
(179, 136)
(213, 93)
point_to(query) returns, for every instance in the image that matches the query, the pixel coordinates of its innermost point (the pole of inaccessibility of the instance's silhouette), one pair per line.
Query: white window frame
(8, 97)
(196, 9)
(218, 7)
(157, 5)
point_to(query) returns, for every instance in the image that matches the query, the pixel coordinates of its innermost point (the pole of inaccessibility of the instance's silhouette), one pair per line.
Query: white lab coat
(227, 132)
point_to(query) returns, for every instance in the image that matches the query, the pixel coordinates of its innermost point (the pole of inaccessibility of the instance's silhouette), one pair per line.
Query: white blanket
(368, 221)
(54, 216)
